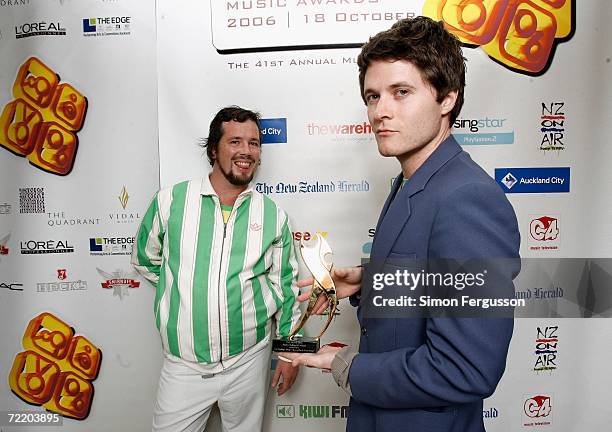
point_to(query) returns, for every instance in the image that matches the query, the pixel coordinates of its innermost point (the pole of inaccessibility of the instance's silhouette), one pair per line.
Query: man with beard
(221, 257)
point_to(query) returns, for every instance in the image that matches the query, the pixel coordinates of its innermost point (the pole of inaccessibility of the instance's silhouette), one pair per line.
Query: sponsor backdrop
(83, 147)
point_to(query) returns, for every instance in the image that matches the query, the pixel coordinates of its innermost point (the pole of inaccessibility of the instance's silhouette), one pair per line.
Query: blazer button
(363, 331)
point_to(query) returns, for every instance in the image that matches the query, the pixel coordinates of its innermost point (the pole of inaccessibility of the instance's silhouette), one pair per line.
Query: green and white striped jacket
(217, 285)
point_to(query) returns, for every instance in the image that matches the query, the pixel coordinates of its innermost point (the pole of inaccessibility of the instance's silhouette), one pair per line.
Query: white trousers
(185, 397)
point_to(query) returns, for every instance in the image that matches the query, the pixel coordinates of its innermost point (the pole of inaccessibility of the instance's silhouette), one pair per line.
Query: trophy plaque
(317, 256)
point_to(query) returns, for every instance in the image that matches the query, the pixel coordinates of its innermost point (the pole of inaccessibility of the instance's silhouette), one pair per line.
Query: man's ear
(448, 103)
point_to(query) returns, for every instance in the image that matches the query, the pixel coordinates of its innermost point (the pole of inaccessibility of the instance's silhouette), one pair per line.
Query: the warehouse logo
(482, 131)
(552, 127)
(546, 349)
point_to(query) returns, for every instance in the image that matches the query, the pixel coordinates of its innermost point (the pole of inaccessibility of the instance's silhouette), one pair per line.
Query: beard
(237, 180)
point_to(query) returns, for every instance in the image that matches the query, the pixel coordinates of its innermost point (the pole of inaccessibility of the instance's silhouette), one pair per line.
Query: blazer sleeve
(462, 359)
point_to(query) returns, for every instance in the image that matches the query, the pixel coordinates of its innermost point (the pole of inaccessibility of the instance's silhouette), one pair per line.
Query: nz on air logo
(546, 349)
(552, 127)
(41, 123)
(56, 368)
(520, 35)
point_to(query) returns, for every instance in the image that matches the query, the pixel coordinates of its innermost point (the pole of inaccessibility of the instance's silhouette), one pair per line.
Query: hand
(288, 372)
(347, 281)
(321, 360)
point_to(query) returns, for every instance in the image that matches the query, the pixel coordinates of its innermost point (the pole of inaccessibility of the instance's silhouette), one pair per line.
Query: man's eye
(254, 143)
(371, 98)
(402, 92)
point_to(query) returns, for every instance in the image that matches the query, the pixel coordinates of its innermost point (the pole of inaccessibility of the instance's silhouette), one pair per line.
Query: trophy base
(296, 345)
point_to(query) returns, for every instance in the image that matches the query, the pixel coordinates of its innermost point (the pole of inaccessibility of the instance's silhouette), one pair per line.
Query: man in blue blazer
(427, 373)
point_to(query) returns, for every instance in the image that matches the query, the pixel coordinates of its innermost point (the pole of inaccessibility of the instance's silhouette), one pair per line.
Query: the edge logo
(476, 136)
(544, 232)
(552, 122)
(538, 410)
(99, 246)
(41, 28)
(273, 130)
(546, 349)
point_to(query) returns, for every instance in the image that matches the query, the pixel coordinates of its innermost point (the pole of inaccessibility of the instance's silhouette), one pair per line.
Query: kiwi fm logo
(522, 35)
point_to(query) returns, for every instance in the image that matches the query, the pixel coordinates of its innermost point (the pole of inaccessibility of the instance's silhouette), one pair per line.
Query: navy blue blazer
(432, 374)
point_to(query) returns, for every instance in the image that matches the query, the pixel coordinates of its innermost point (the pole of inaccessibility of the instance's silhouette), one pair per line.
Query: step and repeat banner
(78, 166)
(104, 101)
(536, 117)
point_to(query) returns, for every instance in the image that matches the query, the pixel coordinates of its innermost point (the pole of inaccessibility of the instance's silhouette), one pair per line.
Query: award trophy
(317, 256)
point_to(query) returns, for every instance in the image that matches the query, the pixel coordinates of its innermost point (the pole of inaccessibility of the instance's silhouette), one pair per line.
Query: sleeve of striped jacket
(147, 249)
(288, 314)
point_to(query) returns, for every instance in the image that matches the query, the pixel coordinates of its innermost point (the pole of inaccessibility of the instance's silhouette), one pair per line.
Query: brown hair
(427, 45)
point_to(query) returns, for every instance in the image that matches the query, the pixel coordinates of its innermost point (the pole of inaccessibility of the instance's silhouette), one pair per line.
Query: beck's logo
(61, 274)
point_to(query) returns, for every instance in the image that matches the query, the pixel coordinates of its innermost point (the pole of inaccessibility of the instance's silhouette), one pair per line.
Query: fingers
(276, 377)
(305, 282)
(304, 297)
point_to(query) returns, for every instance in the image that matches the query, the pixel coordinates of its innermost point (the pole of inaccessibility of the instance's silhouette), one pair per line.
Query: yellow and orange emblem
(56, 369)
(41, 122)
(521, 34)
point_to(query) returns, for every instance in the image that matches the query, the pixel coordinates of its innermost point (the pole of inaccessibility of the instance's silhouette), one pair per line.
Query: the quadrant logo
(546, 349)
(273, 131)
(14, 3)
(41, 28)
(41, 123)
(537, 411)
(533, 180)
(544, 232)
(56, 368)
(552, 127)
(482, 131)
(107, 26)
(520, 35)
(36, 247)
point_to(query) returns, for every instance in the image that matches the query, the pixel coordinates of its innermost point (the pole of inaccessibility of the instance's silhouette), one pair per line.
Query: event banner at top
(520, 34)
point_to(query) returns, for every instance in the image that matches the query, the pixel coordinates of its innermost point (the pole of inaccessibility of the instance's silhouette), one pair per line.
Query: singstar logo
(482, 131)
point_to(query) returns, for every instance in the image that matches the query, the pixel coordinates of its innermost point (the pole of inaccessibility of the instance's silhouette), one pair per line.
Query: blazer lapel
(396, 210)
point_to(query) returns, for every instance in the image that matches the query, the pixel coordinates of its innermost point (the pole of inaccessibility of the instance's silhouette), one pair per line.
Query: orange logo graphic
(520, 34)
(56, 369)
(41, 123)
